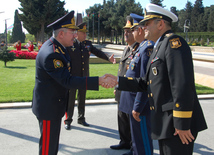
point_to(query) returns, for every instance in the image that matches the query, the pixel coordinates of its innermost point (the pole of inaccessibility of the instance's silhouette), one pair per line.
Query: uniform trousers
(174, 146)
(124, 128)
(49, 140)
(71, 104)
(141, 136)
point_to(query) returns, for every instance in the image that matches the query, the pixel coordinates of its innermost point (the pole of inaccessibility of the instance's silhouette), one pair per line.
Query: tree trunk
(5, 63)
(42, 32)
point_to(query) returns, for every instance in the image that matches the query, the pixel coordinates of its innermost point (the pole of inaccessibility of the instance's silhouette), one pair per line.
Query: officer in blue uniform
(80, 54)
(136, 103)
(176, 114)
(123, 118)
(53, 81)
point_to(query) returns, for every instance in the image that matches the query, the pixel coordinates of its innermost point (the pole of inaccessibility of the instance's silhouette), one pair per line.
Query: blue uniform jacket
(53, 81)
(137, 101)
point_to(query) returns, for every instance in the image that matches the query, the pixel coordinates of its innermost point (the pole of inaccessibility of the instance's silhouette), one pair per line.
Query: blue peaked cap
(136, 19)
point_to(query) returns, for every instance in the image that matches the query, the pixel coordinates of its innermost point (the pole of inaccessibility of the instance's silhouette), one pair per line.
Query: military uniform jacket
(124, 63)
(53, 81)
(171, 88)
(137, 101)
(79, 54)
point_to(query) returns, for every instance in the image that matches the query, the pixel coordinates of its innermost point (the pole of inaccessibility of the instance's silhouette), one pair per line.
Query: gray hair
(56, 32)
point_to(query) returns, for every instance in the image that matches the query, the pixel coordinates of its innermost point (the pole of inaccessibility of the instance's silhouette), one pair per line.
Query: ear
(160, 25)
(61, 34)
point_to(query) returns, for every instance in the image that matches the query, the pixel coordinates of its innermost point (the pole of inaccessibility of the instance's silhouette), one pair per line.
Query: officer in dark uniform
(136, 104)
(79, 54)
(53, 81)
(123, 118)
(176, 115)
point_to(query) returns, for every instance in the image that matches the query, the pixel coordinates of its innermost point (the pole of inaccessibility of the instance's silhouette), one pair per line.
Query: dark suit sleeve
(59, 72)
(132, 84)
(181, 76)
(97, 52)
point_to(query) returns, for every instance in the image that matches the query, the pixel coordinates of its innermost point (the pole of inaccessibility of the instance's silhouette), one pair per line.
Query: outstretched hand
(107, 81)
(112, 59)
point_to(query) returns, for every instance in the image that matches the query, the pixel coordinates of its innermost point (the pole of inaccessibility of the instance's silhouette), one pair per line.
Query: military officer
(136, 103)
(79, 54)
(123, 118)
(176, 115)
(53, 81)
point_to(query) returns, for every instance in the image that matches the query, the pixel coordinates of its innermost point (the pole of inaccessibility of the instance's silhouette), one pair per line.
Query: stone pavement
(19, 132)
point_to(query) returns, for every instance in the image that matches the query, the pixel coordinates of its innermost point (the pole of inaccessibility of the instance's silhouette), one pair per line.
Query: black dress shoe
(83, 123)
(128, 153)
(67, 126)
(119, 147)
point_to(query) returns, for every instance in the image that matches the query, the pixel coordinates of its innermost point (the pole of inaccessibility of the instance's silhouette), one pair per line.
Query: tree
(174, 25)
(17, 33)
(158, 2)
(37, 14)
(210, 25)
(197, 10)
(6, 56)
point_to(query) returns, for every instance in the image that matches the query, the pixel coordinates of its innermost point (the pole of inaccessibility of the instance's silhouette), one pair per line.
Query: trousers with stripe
(49, 140)
(141, 136)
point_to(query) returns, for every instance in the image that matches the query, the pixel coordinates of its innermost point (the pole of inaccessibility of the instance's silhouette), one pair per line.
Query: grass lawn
(18, 78)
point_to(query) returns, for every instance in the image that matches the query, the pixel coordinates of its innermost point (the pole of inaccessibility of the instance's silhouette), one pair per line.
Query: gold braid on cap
(152, 16)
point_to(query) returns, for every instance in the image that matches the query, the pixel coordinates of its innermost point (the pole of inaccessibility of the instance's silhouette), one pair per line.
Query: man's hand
(107, 82)
(136, 115)
(185, 135)
(111, 76)
(112, 59)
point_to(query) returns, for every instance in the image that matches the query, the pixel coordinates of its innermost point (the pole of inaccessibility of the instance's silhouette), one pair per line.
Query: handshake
(108, 81)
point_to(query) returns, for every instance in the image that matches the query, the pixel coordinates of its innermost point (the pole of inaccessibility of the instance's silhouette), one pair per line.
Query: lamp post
(6, 30)
(186, 27)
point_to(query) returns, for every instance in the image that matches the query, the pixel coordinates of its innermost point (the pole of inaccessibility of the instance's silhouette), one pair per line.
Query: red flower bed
(24, 54)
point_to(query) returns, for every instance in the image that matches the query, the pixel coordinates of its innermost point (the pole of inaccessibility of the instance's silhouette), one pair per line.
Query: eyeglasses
(74, 31)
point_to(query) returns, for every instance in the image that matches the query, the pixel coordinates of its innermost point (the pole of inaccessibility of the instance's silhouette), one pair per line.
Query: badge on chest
(154, 71)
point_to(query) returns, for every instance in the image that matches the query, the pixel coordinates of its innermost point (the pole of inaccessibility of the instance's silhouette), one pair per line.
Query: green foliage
(6, 56)
(158, 2)
(29, 37)
(17, 33)
(37, 14)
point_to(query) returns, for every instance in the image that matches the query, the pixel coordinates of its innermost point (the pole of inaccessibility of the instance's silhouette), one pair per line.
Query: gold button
(150, 108)
(82, 56)
(81, 50)
(148, 95)
(119, 70)
(83, 69)
(153, 107)
(59, 100)
(124, 75)
(151, 94)
(83, 63)
(120, 62)
(177, 105)
(150, 81)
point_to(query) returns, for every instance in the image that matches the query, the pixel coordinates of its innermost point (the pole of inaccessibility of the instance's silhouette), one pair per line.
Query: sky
(7, 9)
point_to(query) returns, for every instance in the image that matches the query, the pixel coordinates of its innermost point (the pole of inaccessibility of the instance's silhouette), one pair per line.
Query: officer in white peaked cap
(176, 114)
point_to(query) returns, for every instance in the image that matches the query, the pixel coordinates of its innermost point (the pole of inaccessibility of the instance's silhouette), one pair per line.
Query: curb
(88, 102)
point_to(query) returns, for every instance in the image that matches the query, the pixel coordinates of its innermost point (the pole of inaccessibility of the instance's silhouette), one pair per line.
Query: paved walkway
(19, 132)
